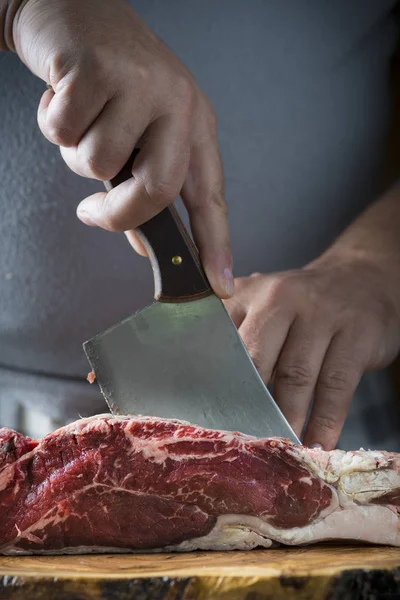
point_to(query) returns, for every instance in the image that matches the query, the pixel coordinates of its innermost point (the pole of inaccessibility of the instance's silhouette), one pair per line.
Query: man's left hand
(313, 332)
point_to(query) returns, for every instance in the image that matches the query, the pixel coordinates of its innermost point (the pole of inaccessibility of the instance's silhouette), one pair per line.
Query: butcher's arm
(316, 330)
(116, 86)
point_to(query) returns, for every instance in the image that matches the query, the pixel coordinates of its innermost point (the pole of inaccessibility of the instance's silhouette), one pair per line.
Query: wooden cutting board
(317, 573)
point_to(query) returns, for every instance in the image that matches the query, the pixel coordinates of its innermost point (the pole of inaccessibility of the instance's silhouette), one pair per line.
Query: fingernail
(85, 217)
(229, 283)
(316, 446)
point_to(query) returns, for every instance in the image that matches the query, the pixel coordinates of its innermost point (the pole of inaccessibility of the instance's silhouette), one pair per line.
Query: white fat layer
(229, 533)
(373, 524)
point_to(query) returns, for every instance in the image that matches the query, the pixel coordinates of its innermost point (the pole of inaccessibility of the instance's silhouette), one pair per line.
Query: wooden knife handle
(178, 274)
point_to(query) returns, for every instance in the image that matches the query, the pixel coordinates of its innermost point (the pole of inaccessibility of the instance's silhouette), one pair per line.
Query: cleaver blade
(182, 357)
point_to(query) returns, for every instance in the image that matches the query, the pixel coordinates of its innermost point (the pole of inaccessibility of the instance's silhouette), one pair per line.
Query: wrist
(373, 237)
(365, 262)
(347, 251)
(9, 11)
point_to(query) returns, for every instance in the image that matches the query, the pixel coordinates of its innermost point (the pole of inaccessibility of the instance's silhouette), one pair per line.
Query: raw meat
(91, 377)
(120, 484)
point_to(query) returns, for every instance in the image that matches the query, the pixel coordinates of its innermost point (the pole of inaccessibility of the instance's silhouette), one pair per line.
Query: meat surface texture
(125, 484)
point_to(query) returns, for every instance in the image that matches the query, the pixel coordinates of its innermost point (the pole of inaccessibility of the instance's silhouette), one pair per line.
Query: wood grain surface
(317, 573)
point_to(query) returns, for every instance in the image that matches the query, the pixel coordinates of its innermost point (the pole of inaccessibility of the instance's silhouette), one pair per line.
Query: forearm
(372, 239)
(8, 12)
(375, 234)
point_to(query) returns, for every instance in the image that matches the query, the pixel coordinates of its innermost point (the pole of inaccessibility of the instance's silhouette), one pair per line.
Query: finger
(204, 197)
(238, 305)
(264, 336)
(135, 242)
(297, 370)
(236, 310)
(337, 382)
(107, 144)
(158, 174)
(45, 100)
(65, 114)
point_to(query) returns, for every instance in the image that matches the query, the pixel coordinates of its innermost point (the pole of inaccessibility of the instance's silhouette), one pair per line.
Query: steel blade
(185, 361)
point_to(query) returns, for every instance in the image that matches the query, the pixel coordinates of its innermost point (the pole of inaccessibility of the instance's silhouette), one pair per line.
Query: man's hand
(315, 331)
(118, 86)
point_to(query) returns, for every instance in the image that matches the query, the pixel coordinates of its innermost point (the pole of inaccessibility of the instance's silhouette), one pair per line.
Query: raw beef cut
(120, 484)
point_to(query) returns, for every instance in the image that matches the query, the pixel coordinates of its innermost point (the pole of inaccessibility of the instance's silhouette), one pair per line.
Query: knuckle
(210, 198)
(58, 125)
(98, 168)
(56, 131)
(241, 286)
(277, 287)
(215, 199)
(185, 90)
(143, 74)
(65, 64)
(325, 422)
(337, 378)
(112, 217)
(160, 193)
(299, 375)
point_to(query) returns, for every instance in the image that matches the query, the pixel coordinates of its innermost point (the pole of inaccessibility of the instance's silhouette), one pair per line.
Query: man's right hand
(118, 86)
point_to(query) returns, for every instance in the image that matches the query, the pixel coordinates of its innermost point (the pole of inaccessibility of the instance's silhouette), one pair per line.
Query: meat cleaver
(182, 356)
